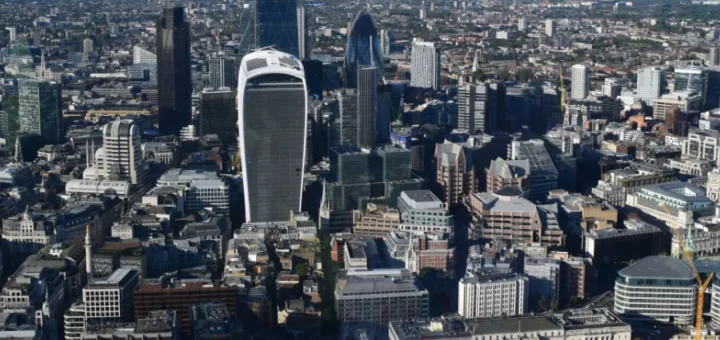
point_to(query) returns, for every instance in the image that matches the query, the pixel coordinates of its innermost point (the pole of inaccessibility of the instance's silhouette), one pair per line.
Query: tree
(542, 304)
(503, 74)
(523, 75)
(554, 305)
(302, 269)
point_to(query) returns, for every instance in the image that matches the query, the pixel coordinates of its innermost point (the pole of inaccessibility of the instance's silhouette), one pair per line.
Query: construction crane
(687, 254)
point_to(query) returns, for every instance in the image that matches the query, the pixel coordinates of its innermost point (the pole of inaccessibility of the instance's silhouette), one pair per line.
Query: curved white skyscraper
(272, 121)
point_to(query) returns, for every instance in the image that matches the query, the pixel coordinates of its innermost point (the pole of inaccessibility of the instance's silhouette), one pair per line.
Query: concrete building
(379, 296)
(489, 296)
(702, 145)
(639, 285)
(201, 189)
(24, 234)
(502, 173)
(684, 201)
(650, 82)
(112, 298)
(572, 324)
(544, 275)
(425, 65)
(504, 214)
(211, 321)
(683, 101)
(455, 173)
(580, 82)
(120, 158)
(222, 72)
(713, 186)
(480, 107)
(550, 27)
(376, 221)
(543, 173)
(143, 56)
(158, 325)
(638, 240)
(422, 212)
(690, 166)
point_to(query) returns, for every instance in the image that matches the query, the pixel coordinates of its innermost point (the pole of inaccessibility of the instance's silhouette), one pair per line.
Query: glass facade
(274, 139)
(276, 25)
(173, 71)
(40, 109)
(363, 48)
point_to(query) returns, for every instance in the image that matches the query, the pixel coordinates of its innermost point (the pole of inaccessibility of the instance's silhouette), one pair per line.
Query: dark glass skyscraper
(363, 48)
(173, 70)
(272, 104)
(276, 25)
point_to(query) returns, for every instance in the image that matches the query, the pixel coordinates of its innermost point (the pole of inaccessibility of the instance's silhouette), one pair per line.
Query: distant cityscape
(379, 170)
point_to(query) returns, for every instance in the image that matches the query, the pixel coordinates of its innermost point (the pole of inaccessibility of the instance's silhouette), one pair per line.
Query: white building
(493, 295)
(713, 186)
(550, 27)
(142, 56)
(425, 65)
(120, 158)
(657, 287)
(580, 82)
(88, 46)
(683, 201)
(544, 276)
(25, 234)
(111, 299)
(74, 321)
(522, 24)
(650, 82)
(12, 33)
(201, 189)
(422, 212)
(702, 145)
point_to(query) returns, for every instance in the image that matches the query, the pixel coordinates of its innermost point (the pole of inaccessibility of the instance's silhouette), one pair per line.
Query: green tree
(302, 269)
(542, 304)
(523, 74)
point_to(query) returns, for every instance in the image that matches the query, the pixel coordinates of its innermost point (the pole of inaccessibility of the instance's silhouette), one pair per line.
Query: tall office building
(120, 157)
(425, 65)
(692, 79)
(222, 73)
(481, 107)
(522, 24)
(174, 81)
(385, 40)
(40, 109)
(272, 123)
(367, 107)
(713, 58)
(544, 275)
(363, 49)
(277, 25)
(580, 82)
(303, 42)
(550, 27)
(650, 81)
(88, 46)
(12, 33)
(218, 114)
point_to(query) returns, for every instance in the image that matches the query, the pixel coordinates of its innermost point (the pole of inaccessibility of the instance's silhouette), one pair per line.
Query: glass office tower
(363, 48)
(173, 71)
(272, 123)
(276, 25)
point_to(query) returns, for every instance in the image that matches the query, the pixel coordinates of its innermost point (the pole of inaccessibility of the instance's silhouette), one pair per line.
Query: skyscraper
(12, 33)
(425, 65)
(580, 82)
(385, 41)
(272, 122)
(692, 79)
(367, 107)
(480, 107)
(222, 72)
(277, 26)
(88, 46)
(40, 109)
(363, 48)
(713, 56)
(303, 43)
(550, 27)
(650, 84)
(174, 81)
(120, 157)
(218, 114)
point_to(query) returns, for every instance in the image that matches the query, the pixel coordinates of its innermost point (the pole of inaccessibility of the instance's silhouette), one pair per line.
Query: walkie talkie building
(272, 122)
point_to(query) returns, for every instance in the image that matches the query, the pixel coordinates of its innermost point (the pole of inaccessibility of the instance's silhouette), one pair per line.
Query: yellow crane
(687, 254)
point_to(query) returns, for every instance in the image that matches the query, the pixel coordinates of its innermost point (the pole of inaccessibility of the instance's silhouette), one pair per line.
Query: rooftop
(523, 324)
(659, 267)
(679, 191)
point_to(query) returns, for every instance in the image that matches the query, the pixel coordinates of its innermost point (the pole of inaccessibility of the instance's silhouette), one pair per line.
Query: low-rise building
(376, 221)
(422, 212)
(683, 202)
(379, 296)
(493, 295)
(639, 239)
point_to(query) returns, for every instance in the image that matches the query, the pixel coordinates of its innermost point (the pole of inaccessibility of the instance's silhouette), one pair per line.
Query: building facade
(40, 109)
(490, 296)
(580, 82)
(272, 132)
(650, 82)
(218, 114)
(173, 70)
(455, 173)
(425, 65)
